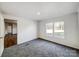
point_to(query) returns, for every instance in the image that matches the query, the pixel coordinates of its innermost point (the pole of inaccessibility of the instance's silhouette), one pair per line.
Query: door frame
(12, 29)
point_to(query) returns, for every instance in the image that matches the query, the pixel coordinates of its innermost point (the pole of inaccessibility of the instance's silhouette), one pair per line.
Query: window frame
(56, 36)
(53, 29)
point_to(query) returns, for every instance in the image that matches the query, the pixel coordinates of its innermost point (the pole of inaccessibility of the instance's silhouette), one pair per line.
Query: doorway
(10, 38)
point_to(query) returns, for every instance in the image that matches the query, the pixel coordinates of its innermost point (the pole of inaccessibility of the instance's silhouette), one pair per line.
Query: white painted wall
(26, 30)
(14, 28)
(6, 29)
(1, 34)
(71, 29)
(2, 25)
(78, 22)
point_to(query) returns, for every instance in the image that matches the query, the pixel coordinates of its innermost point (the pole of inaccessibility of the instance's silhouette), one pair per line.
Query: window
(59, 29)
(56, 29)
(49, 29)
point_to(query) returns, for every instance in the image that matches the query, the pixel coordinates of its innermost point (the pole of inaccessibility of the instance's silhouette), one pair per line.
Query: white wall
(1, 34)
(14, 28)
(26, 30)
(6, 30)
(71, 29)
(78, 22)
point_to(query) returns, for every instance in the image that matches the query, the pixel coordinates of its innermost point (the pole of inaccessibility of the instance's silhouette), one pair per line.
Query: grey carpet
(39, 48)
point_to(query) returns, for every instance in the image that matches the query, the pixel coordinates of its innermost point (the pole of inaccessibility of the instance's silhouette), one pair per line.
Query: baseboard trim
(59, 44)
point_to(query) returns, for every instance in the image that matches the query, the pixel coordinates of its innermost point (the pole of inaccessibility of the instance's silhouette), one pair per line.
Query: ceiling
(38, 10)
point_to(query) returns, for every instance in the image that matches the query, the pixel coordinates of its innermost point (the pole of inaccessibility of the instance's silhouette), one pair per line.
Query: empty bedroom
(39, 29)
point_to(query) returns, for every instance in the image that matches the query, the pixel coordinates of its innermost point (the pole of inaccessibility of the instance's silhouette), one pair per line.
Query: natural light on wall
(55, 29)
